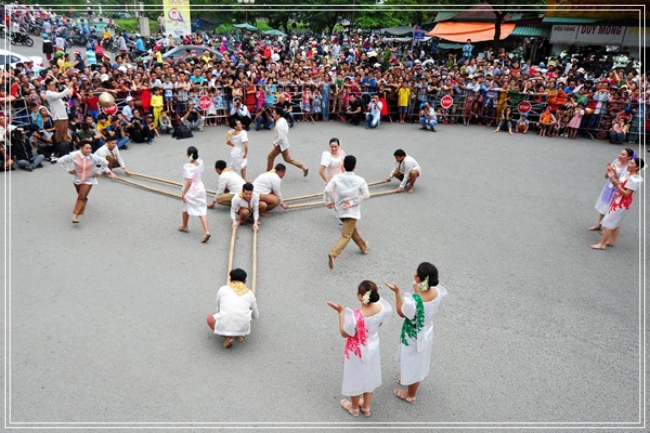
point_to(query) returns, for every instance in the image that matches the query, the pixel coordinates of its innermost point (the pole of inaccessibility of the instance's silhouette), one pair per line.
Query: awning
(397, 31)
(568, 20)
(532, 32)
(461, 32)
(246, 26)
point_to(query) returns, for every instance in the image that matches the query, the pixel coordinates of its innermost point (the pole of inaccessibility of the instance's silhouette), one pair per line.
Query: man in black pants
(355, 112)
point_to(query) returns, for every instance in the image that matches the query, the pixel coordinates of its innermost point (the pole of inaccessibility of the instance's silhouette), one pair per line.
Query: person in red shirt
(92, 105)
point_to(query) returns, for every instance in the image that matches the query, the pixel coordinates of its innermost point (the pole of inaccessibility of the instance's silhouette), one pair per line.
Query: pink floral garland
(359, 339)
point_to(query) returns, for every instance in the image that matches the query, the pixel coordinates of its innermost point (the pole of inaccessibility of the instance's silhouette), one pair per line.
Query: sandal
(403, 395)
(183, 229)
(228, 342)
(206, 238)
(597, 247)
(240, 338)
(347, 405)
(365, 411)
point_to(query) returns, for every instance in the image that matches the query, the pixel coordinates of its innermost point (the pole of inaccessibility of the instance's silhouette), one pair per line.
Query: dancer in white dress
(361, 364)
(605, 197)
(237, 138)
(416, 341)
(193, 193)
(331, 163)
(625, 187)
(236, 306)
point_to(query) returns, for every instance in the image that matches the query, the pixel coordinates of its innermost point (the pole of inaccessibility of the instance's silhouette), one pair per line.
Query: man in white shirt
(240, 112)
(230, 183)
(246, 204)
(428, 118)
(281, 142)
(127, 111)
(111, 153)
(373, 116)
(268, 186)
(57, 107)
(406, 170)
(344, 193)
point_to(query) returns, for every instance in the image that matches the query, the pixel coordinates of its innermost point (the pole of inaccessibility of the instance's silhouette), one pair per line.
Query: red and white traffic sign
(524, 107)
(110, 110)
(446, 101)
(204, 102)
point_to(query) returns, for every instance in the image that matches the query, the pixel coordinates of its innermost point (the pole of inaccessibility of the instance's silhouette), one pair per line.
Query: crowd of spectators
(354, 79)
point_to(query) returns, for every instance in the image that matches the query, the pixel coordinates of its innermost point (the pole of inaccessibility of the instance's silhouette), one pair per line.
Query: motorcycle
(34, 28)
(78, 39)
(21, 38)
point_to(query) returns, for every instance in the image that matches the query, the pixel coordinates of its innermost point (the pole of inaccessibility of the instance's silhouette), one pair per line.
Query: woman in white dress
(361, 364)
(236, 306)
(237, 138)
(605, 197)
(625, 187)
(193, 194)
(331, 163)
(416, 342)
(85, 167)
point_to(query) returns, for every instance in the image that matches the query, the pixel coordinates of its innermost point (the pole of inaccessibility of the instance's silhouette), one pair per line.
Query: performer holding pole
(236, 306)
(230, 183)
(268, 185)
(246, 205)
(281, 143)
(416, 342)
(345, 192)
(406, 170)
(193, 193)
(362, 365)
(85, 168)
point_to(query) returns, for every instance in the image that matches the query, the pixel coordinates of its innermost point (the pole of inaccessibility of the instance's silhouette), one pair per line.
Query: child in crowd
(546, 122)
(574, 124)
(522, 124)
(305, 104)
(317, 104)
(164, 123)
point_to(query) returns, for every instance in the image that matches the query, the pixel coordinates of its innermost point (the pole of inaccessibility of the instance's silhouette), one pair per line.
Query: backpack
(181, 132)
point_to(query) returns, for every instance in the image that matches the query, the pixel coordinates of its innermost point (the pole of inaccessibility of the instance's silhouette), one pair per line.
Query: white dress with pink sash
(361, 365)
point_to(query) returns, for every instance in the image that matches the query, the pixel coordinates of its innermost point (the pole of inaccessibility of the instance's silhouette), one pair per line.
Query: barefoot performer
(345, 192)
(246, 205)
(361, 365)
(281, 142)
(406, 170)
(268, 185)
(416, 341)
(236, 306)
(230, 183)
(85, 168)
(193, 193)
(237, 138)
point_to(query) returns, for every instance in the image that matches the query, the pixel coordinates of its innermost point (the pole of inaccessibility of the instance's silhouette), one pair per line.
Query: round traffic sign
(446, 101)
(204, 102)
(110, 110)
(524, 107)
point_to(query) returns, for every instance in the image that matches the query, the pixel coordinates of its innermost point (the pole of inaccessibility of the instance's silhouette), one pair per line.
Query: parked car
(13, 58)
(180, 51)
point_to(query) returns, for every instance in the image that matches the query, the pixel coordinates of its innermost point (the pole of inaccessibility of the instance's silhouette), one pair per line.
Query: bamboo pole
(231, 254)
(161, 180)
(149, 188)
(319, 194)
(254, 260)
(322, 203)
(310, 204)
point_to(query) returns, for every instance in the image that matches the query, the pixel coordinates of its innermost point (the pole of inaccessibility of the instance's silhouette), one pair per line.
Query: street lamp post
(246, 2)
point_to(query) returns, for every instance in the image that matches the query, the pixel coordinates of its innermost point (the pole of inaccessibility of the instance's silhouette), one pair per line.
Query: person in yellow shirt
(106, 35)
(157, 104)
(403, 97)
(103, 123)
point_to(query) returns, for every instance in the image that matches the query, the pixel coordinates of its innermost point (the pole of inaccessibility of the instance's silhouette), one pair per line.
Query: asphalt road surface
(105, 320)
